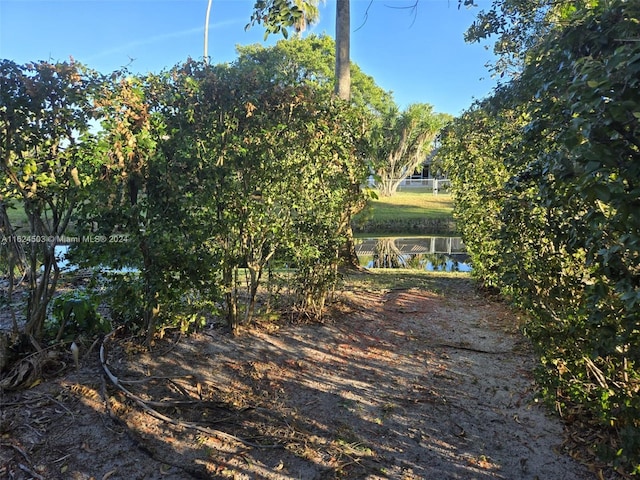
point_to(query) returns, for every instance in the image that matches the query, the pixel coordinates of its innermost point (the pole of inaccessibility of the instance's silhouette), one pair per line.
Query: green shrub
(73, 314)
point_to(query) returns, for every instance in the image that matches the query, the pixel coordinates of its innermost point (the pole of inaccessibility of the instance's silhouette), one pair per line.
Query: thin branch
(413, 8)
(365, 16)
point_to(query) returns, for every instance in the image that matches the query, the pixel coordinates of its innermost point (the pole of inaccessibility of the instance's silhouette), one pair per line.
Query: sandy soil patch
(398, 384)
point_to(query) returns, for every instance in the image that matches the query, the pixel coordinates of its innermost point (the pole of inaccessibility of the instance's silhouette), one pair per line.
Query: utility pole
(206, 33)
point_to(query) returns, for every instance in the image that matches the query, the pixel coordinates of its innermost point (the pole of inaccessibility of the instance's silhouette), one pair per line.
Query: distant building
(428, 169)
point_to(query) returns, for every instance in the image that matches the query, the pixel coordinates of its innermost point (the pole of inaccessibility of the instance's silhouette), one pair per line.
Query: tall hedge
(546, 174)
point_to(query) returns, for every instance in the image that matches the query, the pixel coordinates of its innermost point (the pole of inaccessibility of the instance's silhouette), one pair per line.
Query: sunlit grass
(382, 279)
(413, 204)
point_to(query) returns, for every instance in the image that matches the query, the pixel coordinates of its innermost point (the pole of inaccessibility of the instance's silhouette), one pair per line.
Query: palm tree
(310, 14)
(275, 16)
(343, 42)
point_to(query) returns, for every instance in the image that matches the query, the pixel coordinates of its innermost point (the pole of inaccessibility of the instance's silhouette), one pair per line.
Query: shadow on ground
(400, 383)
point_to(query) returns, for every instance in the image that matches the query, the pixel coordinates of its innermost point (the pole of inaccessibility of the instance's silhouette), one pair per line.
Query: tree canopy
(311, 60)
(45, 153)
(401, 142)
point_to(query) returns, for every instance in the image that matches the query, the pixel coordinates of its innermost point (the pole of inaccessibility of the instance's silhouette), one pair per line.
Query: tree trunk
(343, 41)
(387, 254)
(41, 289)
(15, 260)
(348, 256)
(343, 91)
(151, 305)
(387, 187)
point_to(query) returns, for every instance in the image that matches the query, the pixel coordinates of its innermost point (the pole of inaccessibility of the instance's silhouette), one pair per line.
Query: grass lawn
(17, 217)
(408, 213)
(406, 205)
(384, 279)
(411, 204)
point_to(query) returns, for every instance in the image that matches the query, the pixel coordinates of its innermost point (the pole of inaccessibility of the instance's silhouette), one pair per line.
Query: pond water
(446, 254)
(435, 253)
(66, 266)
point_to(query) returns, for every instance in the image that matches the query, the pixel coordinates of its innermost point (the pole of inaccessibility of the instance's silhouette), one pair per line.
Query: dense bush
(546, 175)
(195, 180)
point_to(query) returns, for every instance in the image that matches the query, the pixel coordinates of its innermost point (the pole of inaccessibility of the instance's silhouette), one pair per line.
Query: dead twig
(51, 399)
(24, 468)
(145, 405)
(471, 349)
(174, 345)
(17, 449)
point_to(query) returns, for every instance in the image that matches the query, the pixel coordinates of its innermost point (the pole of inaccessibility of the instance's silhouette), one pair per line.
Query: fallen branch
(146, 406)
(471, 349)
(26, 469)
(138, 443)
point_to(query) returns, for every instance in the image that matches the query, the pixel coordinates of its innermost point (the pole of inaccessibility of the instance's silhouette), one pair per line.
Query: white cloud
(128, 47)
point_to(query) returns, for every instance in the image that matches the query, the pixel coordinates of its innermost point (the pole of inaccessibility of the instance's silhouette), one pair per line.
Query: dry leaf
(108, 474)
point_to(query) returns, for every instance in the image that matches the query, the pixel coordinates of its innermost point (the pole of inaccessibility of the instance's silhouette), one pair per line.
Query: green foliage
(558, 227)
(472, 152)
(147, 205)
(400, 142)
(45, 152)
(123, 294)
(277, 15)
(73, 314)
(197, 178)
(311, 61)
(208, 174)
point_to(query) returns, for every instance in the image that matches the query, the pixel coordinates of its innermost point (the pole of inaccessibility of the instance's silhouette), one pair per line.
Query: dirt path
(402, 384)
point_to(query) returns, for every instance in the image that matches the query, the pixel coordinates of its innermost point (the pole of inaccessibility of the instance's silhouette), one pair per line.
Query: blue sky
(420, 54)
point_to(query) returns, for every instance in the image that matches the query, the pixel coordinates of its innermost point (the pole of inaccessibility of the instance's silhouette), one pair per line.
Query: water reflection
(422, 253)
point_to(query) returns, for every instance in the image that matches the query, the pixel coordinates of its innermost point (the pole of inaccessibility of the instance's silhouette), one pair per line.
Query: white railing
(413, 246)
(435, 184)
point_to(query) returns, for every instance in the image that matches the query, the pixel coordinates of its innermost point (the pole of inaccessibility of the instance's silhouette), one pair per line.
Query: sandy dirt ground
(394, 384)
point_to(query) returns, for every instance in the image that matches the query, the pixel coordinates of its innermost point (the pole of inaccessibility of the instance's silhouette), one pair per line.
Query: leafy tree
(277, 15)
(278, 156)
(45, 154)
(214, 172)
(478, 150)
(147, 202)
(590, 182)
(401, 142)
(311, 60)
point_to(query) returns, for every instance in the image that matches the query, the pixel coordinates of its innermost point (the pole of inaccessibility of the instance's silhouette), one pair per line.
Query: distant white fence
(413, 246)
(435, 184)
